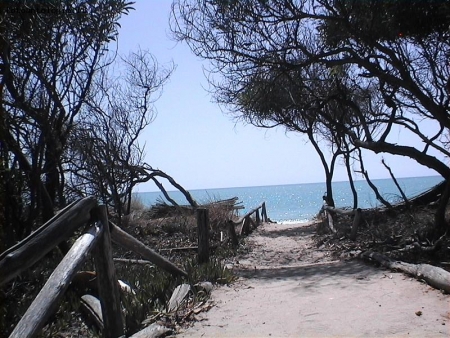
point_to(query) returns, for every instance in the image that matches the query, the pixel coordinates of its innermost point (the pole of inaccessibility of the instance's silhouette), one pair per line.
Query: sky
(202, 147)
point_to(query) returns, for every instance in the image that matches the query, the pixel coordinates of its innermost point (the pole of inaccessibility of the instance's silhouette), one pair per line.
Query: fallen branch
(433, 275)
(416, 246)
(339, 211)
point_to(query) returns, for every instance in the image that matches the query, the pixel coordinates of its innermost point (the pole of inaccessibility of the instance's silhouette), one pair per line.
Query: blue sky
(200, 146)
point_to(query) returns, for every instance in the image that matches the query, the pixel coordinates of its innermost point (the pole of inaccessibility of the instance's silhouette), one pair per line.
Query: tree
(272, 99)
(105, 157)
(50, 53)
(389, 19)
(406, 75)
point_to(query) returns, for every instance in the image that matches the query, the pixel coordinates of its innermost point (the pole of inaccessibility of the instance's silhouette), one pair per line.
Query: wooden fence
(95, 240)
(245, 222)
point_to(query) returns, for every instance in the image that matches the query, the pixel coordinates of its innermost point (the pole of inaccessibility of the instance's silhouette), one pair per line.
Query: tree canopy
(357, 70)
(71, 109)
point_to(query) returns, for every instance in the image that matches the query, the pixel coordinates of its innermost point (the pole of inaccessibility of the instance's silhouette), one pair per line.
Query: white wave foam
(294, 221)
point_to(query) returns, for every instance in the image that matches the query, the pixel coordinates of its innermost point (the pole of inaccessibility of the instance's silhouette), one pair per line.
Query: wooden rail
(24, 254)
(246, 221)
(128, 242)
(96, 240)
(46, 302)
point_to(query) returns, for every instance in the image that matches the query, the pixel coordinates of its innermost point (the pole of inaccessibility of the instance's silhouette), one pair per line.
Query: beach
(287, 287)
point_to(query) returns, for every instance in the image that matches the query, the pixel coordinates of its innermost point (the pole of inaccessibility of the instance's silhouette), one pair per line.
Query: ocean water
(301, 202)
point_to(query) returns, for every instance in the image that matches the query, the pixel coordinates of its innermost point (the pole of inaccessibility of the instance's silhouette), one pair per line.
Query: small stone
(418, 313)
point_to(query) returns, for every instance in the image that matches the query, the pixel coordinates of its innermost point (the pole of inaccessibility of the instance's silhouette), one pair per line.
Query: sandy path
(289, 289)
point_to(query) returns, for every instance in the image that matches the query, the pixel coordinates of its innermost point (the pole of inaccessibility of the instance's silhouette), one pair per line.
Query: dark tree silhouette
(50, 53)
(383, 82)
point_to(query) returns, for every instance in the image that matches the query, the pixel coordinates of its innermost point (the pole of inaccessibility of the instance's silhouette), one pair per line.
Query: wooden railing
(96, 240)
(246, 221)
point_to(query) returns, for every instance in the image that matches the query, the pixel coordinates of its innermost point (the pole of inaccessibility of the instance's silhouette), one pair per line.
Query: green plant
(152, 289)
(214, 271)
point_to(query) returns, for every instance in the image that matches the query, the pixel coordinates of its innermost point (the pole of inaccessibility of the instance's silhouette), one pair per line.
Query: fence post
(203, 236)
(107, 281)
(245, 229)
(264, 212)
(232, 232)
(258, 220)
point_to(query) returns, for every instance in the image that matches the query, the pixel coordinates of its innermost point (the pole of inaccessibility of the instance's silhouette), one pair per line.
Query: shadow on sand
(351, 269)
(306, 230)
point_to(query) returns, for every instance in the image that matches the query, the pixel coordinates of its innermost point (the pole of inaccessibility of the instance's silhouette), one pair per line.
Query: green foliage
(214, 271)
(153, 288)
(383, 64)
(375, 20)
(51, 52)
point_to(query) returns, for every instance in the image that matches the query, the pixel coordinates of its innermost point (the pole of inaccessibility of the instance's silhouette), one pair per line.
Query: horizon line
(274, 185)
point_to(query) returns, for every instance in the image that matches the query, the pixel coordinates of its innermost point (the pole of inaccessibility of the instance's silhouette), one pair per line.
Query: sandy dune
(287, 288)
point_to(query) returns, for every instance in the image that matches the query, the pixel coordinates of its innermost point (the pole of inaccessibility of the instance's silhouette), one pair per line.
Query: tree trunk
(355, 224)
(433, 275)
(396, 182)
(411, 152)
(371, 185)
(441, 224)
(329, 170)
(329, 194)
(350, 179)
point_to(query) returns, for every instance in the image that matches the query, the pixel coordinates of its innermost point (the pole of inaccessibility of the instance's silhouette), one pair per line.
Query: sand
(288, 288)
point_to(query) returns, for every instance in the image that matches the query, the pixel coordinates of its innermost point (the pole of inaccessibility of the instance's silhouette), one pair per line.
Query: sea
(294, 203)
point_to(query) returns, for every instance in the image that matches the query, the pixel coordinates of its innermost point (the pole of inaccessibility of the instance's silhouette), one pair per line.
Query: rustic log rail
(47, 300)
(95, 240)
(24, 254)
(246, 220)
